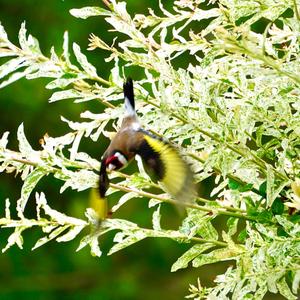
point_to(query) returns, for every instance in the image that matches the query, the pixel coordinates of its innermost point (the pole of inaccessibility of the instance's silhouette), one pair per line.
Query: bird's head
(115, 161)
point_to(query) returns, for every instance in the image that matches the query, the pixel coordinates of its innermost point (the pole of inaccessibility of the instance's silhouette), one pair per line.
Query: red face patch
(114, 160)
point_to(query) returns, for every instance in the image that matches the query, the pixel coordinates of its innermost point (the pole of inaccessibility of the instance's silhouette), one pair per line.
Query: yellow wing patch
(178, 178)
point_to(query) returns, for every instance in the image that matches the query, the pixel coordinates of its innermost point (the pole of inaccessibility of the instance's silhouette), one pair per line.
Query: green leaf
(232, 224)
(207, 230)
(263, 189)
(264, 216)
(242, 235)
(273, 187)
(285, 290)
(194, 251)
(260, 292)
(233, 184)
(214, 256)
(241, 187)
(296, 281)
(277, 207)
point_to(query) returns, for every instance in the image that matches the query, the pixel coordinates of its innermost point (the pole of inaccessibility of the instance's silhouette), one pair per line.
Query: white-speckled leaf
(89, 11)
(194, 251)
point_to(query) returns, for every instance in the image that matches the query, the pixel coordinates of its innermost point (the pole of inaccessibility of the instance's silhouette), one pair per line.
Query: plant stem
(219, 211)
(107, 3)
(200, 240)
(224, 210)
(296, 10)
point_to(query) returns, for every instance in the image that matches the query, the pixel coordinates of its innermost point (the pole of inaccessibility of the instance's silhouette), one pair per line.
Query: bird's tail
(129, 97)
(98, 204)
(98, 200)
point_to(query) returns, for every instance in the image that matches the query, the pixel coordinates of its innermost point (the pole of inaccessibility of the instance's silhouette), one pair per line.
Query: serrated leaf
(95, 248)
(4, 140)
(77, 180)
(232, 224)
(29, 184)
(12, 65)
(62, 82)
(67, 94)
(66, 53)
(3, 34)
(153, 202)
(7, 210)
(7, 53)
(71, 234)
(207, 230)
(260, 292)
(92, 241)
(54, 57)
(130, 240)
(273, 188)
(33, 44)
(296, 281)
(22, 37)
(126, 197)
(81, 58)
(24, 145)
(214, 256)
(194, 251)
(156, 219)
(55, 215)
(277, 207)
(51, 236)
(15, 238)
(284, 289)
(14, 77)
(89, 11)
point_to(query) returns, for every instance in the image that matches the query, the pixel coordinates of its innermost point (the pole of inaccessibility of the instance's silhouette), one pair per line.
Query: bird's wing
(168, 167)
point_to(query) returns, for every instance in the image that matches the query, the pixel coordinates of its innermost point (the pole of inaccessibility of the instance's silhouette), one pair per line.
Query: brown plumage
(159, 157)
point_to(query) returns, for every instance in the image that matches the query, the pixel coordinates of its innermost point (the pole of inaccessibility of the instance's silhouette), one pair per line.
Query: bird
(162, 161)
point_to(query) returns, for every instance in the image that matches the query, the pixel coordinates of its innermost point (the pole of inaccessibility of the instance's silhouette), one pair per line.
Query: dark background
(56, 271)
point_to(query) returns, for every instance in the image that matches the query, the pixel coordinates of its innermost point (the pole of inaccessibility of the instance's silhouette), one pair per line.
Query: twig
(219, 211)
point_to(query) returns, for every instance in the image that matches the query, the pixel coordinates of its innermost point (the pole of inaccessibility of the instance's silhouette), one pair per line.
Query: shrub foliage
(231, 104)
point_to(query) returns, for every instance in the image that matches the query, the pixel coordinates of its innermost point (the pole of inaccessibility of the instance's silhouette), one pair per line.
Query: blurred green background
(56, 271)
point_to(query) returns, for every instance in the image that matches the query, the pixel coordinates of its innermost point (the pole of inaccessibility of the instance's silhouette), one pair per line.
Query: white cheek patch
(111, 167)
(121, 158)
